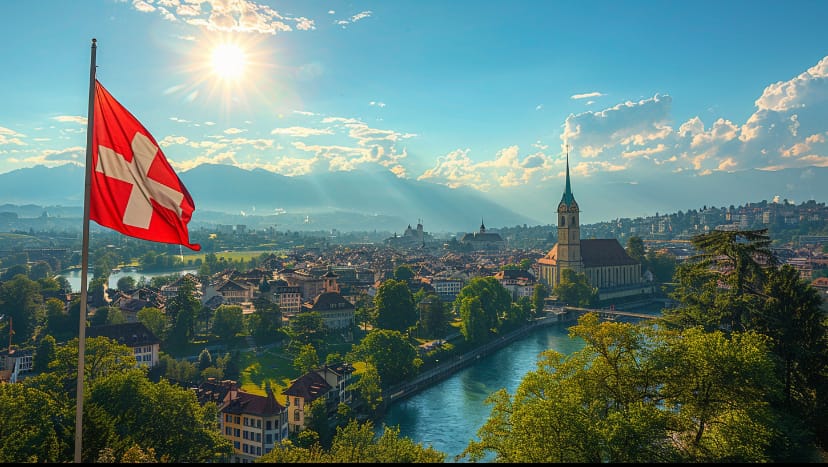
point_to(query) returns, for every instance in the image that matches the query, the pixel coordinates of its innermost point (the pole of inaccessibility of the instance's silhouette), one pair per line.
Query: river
(448, 414)
(74, 276)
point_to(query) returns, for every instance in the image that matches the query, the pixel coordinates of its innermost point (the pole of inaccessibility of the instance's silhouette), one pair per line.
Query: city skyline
(483, 95)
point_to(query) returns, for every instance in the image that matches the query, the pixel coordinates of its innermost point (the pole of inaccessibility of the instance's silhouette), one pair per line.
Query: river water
(74, 276)
(448, 414)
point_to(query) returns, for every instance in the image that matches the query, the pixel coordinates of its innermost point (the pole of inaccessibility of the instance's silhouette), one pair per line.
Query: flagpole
(90, 125)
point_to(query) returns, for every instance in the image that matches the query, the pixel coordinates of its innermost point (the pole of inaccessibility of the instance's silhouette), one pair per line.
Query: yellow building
(254, 424)
(605, 263)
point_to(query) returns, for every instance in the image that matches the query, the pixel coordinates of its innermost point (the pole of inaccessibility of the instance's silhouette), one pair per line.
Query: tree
(22, 302)
(368, 387)
(31, 430)
(637, 251)
(266, 320)
(126, 283)
(473, 323)
(574, 289)
(740, 257)
(494, 299)
(390, 353)
(638, 394)
(306, 360)
(394, 306)
(182, 311)
(435, 316)
(793, 319)
(228, 321)
(306, 328)
(181, 429)
(57, 319)
(357, 443)
(45, 353)
(40, 270)
(403, 273)
(205, 360)
(539, 294)
(154, 319)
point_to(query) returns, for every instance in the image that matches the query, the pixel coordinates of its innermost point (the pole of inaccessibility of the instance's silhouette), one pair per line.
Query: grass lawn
(231, 255)
(275, 366)
(272, 365)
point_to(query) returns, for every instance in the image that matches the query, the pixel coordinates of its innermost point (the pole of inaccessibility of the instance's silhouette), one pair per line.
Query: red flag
(134, 189)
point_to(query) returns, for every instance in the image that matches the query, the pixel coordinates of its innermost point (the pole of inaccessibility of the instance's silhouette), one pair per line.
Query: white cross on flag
(134, 189)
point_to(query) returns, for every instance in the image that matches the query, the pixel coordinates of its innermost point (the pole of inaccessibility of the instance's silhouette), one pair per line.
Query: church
(605, 263)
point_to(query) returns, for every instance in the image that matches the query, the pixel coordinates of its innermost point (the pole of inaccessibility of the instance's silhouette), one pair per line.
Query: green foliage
(635, 248)
(21, 301)
(368, 387)
(539, 293)
(205, 360)
(155, 320)
(306, 360)
(126, 283)
(434, 316)
(182, 311)
(637, 394)
(356, 443)
(403, 273)
(574, 289)
(473, 322)
(306, 328)
(394, 305)
(228, 321)
(494, 300)
(46, 351)
(390, 353)
(29, 432)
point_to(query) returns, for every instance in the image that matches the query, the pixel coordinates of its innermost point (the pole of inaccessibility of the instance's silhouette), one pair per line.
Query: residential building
(145, 346)
(301, 392)
(254, 424)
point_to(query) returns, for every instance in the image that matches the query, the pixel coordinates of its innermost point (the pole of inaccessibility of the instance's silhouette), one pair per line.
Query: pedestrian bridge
(608, 313)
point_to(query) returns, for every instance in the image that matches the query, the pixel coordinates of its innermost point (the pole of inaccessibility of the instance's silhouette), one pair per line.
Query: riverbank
(458, 362)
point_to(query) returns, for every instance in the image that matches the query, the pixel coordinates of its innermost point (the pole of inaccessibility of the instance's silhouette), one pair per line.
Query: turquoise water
(448, 414)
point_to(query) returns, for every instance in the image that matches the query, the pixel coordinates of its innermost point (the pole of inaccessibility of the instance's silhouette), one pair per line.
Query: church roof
(604, 252)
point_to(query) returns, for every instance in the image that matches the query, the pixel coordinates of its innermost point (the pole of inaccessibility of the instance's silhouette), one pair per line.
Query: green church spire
(568, 198)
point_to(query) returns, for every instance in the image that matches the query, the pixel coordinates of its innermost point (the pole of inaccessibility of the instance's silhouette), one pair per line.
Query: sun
(228, 61)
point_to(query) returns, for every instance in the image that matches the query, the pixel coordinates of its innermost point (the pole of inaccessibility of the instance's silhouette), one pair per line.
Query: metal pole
(90, 127)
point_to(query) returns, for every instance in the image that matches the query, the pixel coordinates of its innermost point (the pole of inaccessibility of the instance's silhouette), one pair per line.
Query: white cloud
(301, 132)
(226, 15)
(809, 86)
(587, 95)
(234, 131)
(70, 119)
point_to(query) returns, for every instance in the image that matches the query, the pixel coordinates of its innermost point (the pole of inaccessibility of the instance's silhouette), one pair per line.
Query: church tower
(569, 229)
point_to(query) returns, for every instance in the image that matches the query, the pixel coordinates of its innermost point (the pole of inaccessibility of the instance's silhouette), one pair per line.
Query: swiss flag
(134, 189)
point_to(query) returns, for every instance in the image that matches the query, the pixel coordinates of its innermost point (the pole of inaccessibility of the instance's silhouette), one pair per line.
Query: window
(258, 423)
(269, 425)
(244, 434)
(227, 431)
(268, 439)
(258, 450)
(258, 437)
(236, 445)
(236, 432)
(237, 419)
(245, 448)
(296, 415)
(228, 418)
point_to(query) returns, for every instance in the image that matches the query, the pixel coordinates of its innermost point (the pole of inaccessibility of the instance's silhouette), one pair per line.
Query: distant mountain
(342, 200)
(378, 200)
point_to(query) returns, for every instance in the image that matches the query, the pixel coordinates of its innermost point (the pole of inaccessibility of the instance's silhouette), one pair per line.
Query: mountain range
(379, 200)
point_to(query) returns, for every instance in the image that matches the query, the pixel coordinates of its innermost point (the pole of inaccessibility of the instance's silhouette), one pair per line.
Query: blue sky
(481, 94)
